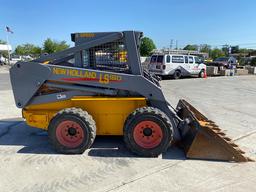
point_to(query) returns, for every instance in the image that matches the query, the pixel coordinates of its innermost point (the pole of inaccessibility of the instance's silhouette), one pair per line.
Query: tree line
(146, 47)
(220, 52)
(49, 46)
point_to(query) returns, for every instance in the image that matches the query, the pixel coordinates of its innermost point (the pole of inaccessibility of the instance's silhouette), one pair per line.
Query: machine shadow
(15, 133)
(113, 146)
(35, 141)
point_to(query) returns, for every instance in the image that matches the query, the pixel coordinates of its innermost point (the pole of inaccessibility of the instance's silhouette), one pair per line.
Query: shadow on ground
(30, 140)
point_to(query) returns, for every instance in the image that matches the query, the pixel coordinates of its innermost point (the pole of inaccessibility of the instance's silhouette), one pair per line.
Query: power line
(221, 45)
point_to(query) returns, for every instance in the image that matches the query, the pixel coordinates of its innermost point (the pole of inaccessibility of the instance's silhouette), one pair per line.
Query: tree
(147, 46)
(235, 49)
(215, 53)
(205, 48)
(3, 42)
(28, 49)
(51, 46)
(253, 62)
(191, 47)
(245, 51)
(225, 49)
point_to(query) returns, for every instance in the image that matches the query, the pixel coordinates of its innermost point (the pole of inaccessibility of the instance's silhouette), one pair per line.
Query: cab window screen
(177, 59)
(85, 58)
(110, 56)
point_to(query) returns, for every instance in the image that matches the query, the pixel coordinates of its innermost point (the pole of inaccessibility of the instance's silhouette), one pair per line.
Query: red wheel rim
(70, 134)
(147, 134)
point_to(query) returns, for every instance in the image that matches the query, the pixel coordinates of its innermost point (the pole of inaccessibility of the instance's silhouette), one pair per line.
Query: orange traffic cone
(205, 74)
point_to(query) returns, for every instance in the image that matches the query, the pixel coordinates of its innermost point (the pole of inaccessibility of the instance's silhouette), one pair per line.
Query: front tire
(201, 74)
(148, 132)
(72, 131)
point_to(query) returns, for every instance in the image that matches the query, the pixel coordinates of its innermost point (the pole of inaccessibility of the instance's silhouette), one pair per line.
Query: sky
(214, 22)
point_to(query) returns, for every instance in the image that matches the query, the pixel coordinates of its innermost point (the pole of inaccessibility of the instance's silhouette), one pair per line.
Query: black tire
(82, 129)
(138, 117)
(201, 74)
(177, 74)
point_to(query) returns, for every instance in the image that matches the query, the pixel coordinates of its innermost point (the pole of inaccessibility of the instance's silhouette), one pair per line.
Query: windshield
(197, 60)
(222, 59)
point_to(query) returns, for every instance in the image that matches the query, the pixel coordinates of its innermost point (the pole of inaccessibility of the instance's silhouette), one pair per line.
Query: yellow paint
(103, 78)
(121, 56)
(106, 78)
(87, 35)
(203, 123)
(46, 62)
(109, 113)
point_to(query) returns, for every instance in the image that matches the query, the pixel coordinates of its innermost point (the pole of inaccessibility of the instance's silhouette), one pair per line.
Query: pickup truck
(225, 62)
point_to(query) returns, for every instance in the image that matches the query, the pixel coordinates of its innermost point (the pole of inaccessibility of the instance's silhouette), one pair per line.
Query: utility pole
(171, 43)
(176, 44)
(8, 50)
(199, 48)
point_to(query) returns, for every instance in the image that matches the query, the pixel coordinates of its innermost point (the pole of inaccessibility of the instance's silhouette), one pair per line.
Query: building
(5, 47)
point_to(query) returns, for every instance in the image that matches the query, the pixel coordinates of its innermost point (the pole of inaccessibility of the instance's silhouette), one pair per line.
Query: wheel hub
(147, 131)
(70, 134)
(72, 131)
(147, 134)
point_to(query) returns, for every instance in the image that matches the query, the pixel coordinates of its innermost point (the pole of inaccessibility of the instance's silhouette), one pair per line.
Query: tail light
(164, 66)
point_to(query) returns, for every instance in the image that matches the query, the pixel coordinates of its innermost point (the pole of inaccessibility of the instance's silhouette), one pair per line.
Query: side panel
(103, 79)
(183, 68)
(108, 113)
(26, 79)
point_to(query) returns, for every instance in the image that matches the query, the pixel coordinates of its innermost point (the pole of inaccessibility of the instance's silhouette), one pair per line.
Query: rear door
(156, 63)
(152, 63)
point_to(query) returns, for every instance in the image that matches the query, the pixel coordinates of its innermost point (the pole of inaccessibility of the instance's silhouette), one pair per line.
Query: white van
(176, 66)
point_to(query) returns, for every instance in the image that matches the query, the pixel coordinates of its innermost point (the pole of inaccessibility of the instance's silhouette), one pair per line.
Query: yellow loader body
(109, 113)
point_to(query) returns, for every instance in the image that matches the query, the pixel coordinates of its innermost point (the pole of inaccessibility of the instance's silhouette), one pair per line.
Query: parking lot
(28, 163)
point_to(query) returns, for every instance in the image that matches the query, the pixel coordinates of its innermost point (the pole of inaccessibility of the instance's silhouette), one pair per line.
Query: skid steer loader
(98, 87)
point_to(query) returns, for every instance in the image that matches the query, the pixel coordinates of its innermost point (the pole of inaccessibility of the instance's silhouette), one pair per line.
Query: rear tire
(177, 74)
(72, 131)
(148, 132)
